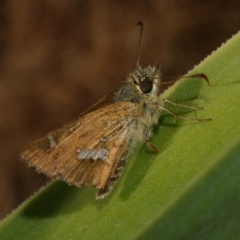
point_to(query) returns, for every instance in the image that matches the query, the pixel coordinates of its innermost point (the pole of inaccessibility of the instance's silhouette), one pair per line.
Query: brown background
(57, 57)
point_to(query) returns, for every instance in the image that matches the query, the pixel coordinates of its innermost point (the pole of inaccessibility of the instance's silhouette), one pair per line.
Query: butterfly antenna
(199, 75)
(140, 40)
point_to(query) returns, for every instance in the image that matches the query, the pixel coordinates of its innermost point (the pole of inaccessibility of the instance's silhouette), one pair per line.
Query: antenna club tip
(203, 76)
(140, 24)
(199, 75)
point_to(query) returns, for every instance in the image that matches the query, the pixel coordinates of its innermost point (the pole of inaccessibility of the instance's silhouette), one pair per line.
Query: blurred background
(58, 57)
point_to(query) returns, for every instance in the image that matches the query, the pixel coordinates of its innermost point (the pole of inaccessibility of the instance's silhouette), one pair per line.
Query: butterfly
(93, 148)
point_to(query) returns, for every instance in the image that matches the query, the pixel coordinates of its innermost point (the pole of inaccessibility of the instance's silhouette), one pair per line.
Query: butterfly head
(146, 80)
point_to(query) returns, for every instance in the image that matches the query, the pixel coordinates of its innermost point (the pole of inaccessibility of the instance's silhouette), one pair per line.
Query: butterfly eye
(146, 85)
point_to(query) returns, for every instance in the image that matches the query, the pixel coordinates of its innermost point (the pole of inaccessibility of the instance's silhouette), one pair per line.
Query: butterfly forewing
(91, 150)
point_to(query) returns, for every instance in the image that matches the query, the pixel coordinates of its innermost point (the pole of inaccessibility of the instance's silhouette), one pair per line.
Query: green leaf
(150, 182)
(207, 208)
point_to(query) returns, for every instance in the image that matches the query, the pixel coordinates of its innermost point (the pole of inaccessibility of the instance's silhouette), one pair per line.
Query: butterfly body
(92, 149)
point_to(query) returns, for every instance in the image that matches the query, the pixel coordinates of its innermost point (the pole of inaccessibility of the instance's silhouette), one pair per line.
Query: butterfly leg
(149, 144)
(161, 106)
(181, 105)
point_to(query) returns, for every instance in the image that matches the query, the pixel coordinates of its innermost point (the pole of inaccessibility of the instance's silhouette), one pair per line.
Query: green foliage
(207, 208)
(190, 190)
